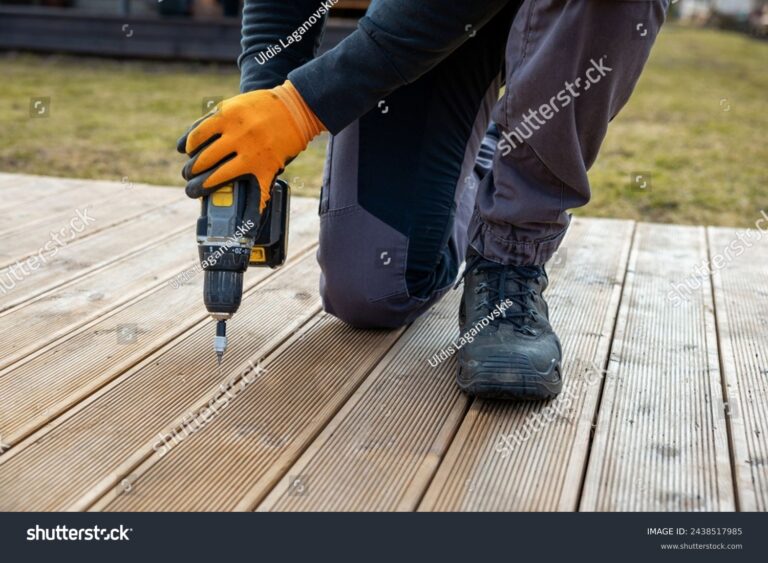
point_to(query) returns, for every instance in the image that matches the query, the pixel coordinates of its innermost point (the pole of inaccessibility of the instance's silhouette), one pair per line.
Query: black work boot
(507, 348)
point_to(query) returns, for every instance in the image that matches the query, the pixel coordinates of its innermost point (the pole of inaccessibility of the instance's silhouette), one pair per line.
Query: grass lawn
(697, 124)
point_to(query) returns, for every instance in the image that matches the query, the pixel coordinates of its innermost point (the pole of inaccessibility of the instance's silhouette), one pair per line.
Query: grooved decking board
(544, 470)
(26, 192)
(661, 442)
(233, 461)
(33, 201)
(380, 451)
(12, 186)
(92, 441)
(16, 190)
(86, 255)
(19, 185)
(56, 206)
(346, 419)
(44, 319)
(33, 183)
(39, 389)
(105, 211)
(741, 295)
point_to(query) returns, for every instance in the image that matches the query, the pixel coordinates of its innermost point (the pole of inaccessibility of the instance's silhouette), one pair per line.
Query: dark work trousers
(445, 162)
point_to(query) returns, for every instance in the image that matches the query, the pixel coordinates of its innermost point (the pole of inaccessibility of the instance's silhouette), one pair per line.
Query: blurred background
(103, 88)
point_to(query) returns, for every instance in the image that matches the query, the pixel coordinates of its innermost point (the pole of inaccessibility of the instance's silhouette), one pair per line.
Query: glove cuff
(308, 124)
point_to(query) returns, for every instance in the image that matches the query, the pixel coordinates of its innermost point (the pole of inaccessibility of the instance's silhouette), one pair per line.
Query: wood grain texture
(45, 384)
(531, 456)
(665, 404)
(50, 316)
(17, 190)
(93, 440)
(232, 462)
(740, 278)
(104, 204)
(34, 200)
(661, 441)
(381, 450)
(55, 206)
(84, 256)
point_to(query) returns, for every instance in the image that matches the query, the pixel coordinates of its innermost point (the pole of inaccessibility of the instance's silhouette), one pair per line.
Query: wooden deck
(110, 398)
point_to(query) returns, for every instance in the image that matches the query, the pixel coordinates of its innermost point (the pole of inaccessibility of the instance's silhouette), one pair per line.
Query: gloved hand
(253, 134)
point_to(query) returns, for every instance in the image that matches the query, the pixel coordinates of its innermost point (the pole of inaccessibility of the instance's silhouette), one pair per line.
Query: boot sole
(520, 385)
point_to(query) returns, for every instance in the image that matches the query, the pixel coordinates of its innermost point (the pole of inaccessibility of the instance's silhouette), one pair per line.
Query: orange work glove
(253, 134)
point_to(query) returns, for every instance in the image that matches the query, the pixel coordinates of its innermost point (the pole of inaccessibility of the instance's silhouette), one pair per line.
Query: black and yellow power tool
(231, 235)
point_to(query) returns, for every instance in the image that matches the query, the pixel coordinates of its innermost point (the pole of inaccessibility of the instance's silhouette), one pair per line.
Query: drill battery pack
(271, 243)
(224, 244)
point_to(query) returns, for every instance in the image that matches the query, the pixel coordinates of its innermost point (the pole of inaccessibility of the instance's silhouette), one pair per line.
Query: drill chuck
(222, 291)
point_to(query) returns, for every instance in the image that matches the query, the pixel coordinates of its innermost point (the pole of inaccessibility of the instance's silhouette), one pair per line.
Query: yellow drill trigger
(258, 255)
(224, 196)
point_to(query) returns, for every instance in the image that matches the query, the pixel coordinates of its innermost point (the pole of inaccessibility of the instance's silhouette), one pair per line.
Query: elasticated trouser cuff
(496, 247)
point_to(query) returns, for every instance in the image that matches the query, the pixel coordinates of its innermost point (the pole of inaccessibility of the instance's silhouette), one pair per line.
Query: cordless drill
(231, 235)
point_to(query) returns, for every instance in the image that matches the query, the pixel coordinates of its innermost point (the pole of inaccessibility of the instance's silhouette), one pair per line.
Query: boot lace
(521, 295)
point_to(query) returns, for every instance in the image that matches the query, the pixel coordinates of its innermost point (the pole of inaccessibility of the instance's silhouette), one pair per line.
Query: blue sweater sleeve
(395, 43)
(278, 36)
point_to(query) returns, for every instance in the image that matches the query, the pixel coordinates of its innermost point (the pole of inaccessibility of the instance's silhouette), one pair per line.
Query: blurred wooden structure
(64, 31)
(142, 33)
